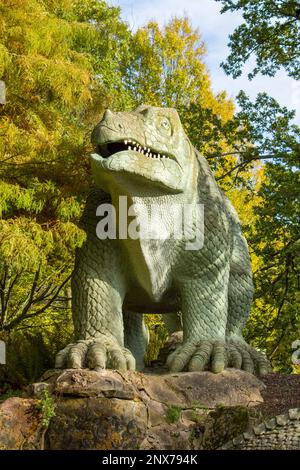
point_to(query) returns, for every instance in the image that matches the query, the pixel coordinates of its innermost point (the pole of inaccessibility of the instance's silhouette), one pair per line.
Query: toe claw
(235, 357)
(201, 357)
(76, 355)
(97, 354)
(219, 357)
(130, 360)
(253, 361)
(181, 357)
(195, 356)
(61, 357)
(116, 360)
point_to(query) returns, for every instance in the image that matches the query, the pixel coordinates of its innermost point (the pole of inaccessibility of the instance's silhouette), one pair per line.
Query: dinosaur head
(149, 144)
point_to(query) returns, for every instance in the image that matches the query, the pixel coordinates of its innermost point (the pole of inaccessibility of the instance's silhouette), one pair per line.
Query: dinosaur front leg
(97, 296)
(204, 303)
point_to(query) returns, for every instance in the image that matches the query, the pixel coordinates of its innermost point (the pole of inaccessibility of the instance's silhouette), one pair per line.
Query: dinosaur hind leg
(136, 336)
(173, 321)
(240, 294)
(240, 288)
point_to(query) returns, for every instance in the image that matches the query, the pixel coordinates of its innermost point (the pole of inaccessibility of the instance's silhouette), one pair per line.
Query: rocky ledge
(114, 410)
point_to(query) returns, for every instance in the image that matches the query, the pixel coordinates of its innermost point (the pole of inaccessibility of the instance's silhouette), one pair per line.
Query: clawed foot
(98, 354)
(242, 356)
(216, 356)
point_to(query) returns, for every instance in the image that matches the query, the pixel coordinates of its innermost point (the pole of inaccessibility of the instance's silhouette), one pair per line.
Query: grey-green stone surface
(2, 92)
(279, 433)
(146, 156)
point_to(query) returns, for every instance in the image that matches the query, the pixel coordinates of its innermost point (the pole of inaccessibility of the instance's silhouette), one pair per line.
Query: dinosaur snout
(111, 123)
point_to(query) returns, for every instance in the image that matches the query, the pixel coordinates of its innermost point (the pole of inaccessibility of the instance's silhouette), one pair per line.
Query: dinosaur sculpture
(146, 156)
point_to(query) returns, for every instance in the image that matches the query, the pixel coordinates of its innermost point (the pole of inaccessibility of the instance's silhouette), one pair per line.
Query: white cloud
(215, 29)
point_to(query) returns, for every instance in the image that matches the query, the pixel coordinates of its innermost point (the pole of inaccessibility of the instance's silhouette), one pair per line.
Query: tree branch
(26, 315)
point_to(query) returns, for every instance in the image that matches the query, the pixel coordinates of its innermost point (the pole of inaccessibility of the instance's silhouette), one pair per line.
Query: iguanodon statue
(146, 157)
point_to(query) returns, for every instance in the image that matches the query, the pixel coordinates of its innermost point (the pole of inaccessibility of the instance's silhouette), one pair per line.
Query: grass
(173, 414)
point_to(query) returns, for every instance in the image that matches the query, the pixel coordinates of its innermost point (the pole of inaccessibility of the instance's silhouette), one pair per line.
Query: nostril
(120, 126)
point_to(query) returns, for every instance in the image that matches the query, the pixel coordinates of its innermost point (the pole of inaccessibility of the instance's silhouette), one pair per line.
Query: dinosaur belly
(150, 266)
(138, 300)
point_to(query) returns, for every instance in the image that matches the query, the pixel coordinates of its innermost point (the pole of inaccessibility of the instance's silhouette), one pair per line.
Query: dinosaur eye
(165, 124)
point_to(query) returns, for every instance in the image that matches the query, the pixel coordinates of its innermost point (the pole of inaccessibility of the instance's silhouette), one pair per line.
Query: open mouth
(110, 148)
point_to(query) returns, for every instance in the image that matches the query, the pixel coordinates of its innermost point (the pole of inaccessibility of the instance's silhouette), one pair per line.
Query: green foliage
(275, 319)
(173, 414)
(220, 406)
(31, 350)
(199, 412)
(158, 335)
(8, 392)
(198, 417)
(271, 31)
(64, 62)
(270, 129)
(167, 65)
(60, 60)
(273, 230)
(46, 407)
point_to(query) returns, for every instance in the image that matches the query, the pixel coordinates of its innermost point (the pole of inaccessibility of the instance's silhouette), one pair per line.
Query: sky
(214, 29)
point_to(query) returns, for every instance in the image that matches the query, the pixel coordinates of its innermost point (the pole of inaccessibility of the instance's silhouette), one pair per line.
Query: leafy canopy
(271, 31)
(60, 60)
(64, 62)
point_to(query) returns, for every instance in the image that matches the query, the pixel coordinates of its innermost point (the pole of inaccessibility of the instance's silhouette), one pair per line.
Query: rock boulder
(113, 410)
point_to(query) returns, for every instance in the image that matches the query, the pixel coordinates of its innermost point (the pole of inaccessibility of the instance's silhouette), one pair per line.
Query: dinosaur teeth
(143, 150)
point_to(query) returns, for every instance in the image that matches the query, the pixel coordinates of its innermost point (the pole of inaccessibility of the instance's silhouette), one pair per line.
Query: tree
(260, 131)
(275, 242)
(168, 69)
(62, 64)
(271, 31)
(168, 65)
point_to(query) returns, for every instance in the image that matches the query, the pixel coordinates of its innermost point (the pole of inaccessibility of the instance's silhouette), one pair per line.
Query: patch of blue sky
(215, 29)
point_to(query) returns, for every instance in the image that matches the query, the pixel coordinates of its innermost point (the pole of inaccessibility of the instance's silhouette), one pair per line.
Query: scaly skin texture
(146, 156)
